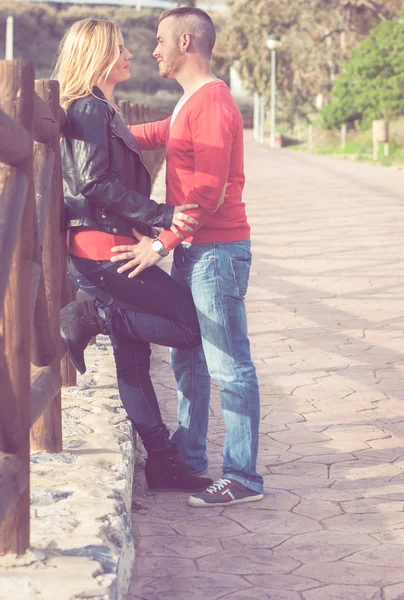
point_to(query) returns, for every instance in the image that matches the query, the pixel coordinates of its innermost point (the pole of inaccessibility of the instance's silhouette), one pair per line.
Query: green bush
(372, 82)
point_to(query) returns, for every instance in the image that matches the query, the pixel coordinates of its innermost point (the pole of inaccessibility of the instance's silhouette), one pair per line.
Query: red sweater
(205, 156)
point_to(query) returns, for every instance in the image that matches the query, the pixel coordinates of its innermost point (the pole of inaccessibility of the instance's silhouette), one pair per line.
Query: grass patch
(359, 145)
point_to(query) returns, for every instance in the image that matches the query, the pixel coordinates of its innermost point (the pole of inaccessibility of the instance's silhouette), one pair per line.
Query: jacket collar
(99, 93)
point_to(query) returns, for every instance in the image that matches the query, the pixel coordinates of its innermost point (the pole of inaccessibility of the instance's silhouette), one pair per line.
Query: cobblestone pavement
(326, 320)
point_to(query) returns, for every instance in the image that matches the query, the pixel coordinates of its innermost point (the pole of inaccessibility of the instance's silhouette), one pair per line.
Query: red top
(205, 154)
(94, 244)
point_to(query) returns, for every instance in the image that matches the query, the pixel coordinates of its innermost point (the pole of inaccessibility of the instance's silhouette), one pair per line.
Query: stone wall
(81, 536)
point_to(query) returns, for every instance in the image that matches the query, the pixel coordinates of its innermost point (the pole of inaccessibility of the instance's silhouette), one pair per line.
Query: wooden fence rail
(33, 284)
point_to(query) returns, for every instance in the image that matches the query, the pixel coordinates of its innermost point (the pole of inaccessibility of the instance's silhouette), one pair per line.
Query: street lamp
(273, 42)
(9, 38)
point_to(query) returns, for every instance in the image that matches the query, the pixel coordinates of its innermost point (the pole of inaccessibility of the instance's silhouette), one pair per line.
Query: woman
(107, 194)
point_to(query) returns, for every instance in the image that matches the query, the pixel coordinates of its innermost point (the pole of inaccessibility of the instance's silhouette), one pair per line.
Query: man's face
(167, 53)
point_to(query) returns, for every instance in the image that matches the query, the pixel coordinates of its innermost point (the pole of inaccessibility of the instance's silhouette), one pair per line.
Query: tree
(317, 36)
(372, 82)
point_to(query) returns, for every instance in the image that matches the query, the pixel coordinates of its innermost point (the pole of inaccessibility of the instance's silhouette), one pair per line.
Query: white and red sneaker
(224, 492)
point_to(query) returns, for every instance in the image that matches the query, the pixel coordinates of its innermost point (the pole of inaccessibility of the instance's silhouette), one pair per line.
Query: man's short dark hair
(200, 23)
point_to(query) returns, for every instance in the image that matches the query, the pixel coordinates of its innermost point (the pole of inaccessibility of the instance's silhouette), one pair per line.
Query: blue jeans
(217, 275)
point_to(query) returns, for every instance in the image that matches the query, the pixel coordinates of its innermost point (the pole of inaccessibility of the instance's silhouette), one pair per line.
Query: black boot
(79, 322)
(166, 472)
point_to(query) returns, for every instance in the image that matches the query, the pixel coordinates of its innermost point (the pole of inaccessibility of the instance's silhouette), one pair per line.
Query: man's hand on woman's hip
(139, 257)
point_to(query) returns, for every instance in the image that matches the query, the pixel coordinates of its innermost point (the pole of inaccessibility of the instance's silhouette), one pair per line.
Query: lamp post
(9, 38)
(273, 42)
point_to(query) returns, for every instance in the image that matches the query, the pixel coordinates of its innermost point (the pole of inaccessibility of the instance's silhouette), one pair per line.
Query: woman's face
(121, 69)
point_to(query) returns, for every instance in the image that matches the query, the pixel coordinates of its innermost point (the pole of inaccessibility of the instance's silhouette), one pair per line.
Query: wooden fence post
(46, 433)
(380, 135)
(136, 113)
(133, 114)
(343, 136)
(310, 137)
(16, 99)
(124, 107)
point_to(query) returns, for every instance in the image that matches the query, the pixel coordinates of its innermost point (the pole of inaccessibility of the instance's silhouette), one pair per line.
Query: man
(204, 142)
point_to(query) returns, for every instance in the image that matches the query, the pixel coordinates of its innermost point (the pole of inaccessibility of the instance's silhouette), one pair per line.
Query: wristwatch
(158, 246)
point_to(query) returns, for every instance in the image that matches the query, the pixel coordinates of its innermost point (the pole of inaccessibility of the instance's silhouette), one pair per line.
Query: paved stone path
(326, 319)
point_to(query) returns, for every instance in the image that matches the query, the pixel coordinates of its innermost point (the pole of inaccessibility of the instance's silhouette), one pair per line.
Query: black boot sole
(70, 353)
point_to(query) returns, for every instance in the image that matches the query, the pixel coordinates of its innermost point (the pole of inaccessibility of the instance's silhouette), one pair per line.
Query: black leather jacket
(106, 184)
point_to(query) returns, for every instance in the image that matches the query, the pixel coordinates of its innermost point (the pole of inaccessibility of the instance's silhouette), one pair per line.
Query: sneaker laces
(218, 485)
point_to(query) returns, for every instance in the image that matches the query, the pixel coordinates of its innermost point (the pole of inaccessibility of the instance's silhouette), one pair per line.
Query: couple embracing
(117, 235)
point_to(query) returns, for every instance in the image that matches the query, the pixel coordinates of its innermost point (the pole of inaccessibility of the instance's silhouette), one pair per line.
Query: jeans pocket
(198, 253)
(241, 274)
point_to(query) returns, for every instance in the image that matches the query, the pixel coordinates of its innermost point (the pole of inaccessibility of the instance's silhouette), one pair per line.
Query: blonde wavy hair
(87, 54)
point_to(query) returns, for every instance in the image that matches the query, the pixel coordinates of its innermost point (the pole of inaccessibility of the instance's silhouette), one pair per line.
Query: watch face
(158, 247)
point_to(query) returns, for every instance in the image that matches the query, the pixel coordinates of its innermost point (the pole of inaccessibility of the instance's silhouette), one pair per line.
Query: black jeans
(150, 308)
